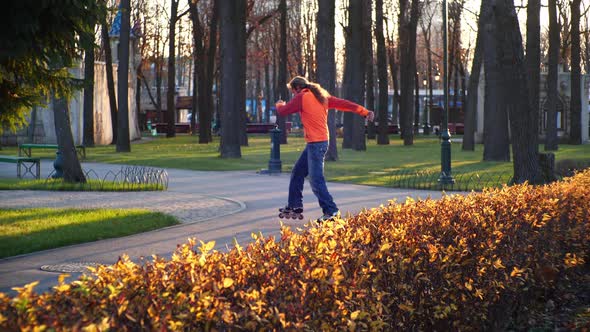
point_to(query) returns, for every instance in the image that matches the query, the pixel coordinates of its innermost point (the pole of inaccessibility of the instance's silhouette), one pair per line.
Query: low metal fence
(429, 180)
(128, 178)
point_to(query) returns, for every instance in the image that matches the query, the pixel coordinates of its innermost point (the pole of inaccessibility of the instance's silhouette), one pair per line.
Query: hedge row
(458, 263)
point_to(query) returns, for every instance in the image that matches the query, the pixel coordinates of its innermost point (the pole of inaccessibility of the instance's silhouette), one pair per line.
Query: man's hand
(370, 116)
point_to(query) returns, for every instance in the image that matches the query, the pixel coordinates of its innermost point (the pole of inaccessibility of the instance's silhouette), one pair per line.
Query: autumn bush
(458, 263)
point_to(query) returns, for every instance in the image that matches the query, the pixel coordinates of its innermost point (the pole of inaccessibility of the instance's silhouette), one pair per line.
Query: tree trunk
(171, 91)
(283, 62)
(370, 93)
(104, 29)
(72, 170)
(408, 24)
(123, 144)
(383, 130)
(88, 137)
(354, 89)
(510, 55)
(576, 105)
(552, 93)
(394, 69)
(326, 64)
(230, 24)
(207, 102)
(496, 139)
(533, 57)
(472, 96)
(241, 45)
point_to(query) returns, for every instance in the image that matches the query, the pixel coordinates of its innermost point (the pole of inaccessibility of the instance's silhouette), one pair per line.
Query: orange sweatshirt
(314, 115)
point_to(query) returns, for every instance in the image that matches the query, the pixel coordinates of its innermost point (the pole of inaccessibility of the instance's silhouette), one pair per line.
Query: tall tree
(283, 62)
(354, 81)
(382, 130)
(576, 104)
(496, 139)
(429, 9)
(88, 106)
(408, 23)
(468, 143)
(171, 91)
(104, 29)
(232, 24)
(370, 90)
(533, 56)
(512, 66)
(72, 169)
(123, 143)
(326, 64)
(552, 93)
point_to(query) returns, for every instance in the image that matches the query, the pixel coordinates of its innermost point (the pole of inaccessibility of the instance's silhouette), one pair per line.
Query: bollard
(274, 164)
(58, 164)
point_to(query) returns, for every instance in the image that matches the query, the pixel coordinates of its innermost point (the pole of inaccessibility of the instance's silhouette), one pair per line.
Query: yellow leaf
(228, 282)
(498, 264)
(468, 286)
(406, 307)
(385, 246)
(205, 247)
(516, 272)
(355, 315)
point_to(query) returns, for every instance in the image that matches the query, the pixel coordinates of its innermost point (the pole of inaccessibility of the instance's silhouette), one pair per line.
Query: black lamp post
(445, 178)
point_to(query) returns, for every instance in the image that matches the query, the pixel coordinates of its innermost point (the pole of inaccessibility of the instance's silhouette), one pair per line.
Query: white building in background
(563, 107)
(41, 128)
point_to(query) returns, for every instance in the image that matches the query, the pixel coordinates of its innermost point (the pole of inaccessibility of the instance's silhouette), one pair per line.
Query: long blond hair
(300, 82)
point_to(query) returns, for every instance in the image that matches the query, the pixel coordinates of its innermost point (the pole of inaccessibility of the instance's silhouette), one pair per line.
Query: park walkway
(220, 206)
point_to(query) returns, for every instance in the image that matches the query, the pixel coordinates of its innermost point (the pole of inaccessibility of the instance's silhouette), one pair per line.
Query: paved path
(220, 206)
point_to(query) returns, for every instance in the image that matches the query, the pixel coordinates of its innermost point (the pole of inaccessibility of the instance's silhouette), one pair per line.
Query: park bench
(25, 149)
(24, 162)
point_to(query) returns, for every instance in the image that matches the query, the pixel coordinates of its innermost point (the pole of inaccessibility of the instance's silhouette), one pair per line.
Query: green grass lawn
(372, 167)
(90, 185)
(28, 230)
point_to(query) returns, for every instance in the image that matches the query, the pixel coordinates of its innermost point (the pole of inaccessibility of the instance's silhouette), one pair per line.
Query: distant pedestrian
(312, 102)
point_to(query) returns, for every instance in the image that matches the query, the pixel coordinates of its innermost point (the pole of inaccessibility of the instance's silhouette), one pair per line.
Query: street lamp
(445, 146)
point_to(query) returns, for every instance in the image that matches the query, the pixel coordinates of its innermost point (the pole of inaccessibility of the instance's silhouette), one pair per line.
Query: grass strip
(28, 230)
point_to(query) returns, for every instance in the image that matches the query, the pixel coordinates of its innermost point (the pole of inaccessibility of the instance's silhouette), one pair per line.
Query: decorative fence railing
(128, 178)
(472, 181)
(429, 180)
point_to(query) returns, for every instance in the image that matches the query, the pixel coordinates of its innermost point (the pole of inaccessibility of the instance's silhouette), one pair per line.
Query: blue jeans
(311, 163)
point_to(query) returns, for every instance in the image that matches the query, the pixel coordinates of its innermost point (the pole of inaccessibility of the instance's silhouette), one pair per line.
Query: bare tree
(471, 104)
(171, 91)
(576, 106)
(104, 29)
(123, 143)
(326, 65)
(383, 129)
(72, 169)
(370, 81)
(533, 57)
(428, 11)
(88, 136)
(408, 23)
(282, 70)
(552, 93)
(354, 81)
(513, 71)
(232, 26)
(496, 139)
